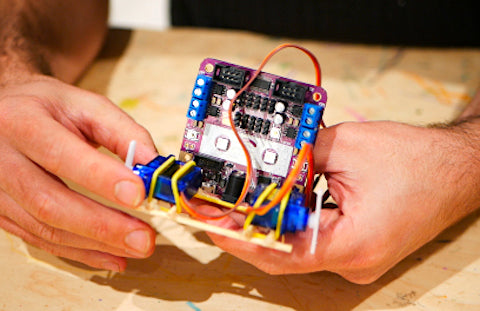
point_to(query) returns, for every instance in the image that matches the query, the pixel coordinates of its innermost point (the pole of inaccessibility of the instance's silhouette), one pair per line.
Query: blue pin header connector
(188, 184)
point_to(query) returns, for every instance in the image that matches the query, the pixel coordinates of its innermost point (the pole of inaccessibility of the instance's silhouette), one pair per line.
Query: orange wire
(305, 154)
(249, 173)
(288, 184)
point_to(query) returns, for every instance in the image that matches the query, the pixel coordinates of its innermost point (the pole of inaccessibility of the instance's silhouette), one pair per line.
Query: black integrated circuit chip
(296, 110)
(264, 180)
(261, 85)
(213, 111)
(218, 89)
(291, 132)
(209, 163)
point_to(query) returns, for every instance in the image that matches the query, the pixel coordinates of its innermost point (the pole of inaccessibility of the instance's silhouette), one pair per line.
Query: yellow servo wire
(214, 200)
(176, 176)
(281, 212)
(262, 197)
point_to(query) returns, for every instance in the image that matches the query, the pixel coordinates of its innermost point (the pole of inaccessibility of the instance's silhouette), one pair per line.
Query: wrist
(20, 60)
(462, 145)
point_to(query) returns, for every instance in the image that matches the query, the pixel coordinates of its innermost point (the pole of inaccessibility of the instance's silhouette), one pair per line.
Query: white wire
(130, 154)
(314, 220)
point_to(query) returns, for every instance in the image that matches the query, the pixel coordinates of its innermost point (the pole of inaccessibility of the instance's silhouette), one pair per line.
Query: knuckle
(45, 232)
(100, 231)
(99, 102)
(44, 208)
(50, 234)
(93, 172)
(8, 116)
(99, 98)
(31, 238)
(143, 134)
(52, 151)
(347, 131)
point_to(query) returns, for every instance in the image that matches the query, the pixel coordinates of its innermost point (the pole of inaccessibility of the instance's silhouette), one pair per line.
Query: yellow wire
(156, 173)
(179, 174)
(264, 195)
(214, 200)
(281, 212)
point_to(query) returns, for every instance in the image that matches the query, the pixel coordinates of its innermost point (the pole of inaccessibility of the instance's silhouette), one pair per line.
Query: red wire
(310, 177)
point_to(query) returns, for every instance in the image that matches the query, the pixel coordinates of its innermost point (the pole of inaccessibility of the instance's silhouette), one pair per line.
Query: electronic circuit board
(274, 116)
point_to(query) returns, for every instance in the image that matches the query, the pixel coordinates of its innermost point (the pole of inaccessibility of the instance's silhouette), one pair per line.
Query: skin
(50, 130)
(397, 186)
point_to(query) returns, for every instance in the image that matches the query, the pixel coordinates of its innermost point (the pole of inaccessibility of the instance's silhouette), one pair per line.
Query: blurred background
(143, 14)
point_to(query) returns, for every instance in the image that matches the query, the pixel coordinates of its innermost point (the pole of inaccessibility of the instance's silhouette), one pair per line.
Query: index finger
(61, 152)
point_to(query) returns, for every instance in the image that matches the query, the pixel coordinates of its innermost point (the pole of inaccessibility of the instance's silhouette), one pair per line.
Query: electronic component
(296, 111)
(213, 111)
(269, 115)
(218, 89)
(261, 85)
(291, 132)
(157, 178)
(247, 146)
(295, 217)
(289, 90)
(209, 163)
(230, 75)
(199, 103)
(234, 187)
(311, 117)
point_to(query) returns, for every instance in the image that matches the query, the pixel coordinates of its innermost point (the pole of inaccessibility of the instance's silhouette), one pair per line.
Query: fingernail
(111, 266)
(128, 193)
(138, 240)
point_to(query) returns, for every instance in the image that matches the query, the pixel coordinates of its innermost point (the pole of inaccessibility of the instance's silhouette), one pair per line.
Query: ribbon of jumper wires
(306, 154)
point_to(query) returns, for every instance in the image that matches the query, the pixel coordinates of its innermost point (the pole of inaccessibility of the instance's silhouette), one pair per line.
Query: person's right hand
(49, 130)
(397, 186)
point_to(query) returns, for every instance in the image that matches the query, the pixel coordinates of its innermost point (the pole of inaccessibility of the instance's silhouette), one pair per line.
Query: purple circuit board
(274, 116)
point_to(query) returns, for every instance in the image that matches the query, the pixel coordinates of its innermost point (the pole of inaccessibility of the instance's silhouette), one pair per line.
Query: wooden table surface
(152, 78)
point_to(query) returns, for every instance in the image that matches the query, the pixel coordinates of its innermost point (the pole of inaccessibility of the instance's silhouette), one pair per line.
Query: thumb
(335, 146)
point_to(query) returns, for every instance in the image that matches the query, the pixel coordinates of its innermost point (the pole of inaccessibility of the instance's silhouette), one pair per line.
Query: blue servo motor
(295, 217)
(188, 184)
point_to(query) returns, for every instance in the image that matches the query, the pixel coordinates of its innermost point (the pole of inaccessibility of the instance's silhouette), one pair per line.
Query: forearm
(54, 37)
(465, 130)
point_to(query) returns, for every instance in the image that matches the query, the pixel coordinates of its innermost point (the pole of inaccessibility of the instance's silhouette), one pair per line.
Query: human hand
(49, 129)
(397, 187)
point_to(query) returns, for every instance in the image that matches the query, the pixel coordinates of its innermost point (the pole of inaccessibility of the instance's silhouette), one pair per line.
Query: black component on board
(234, 187)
